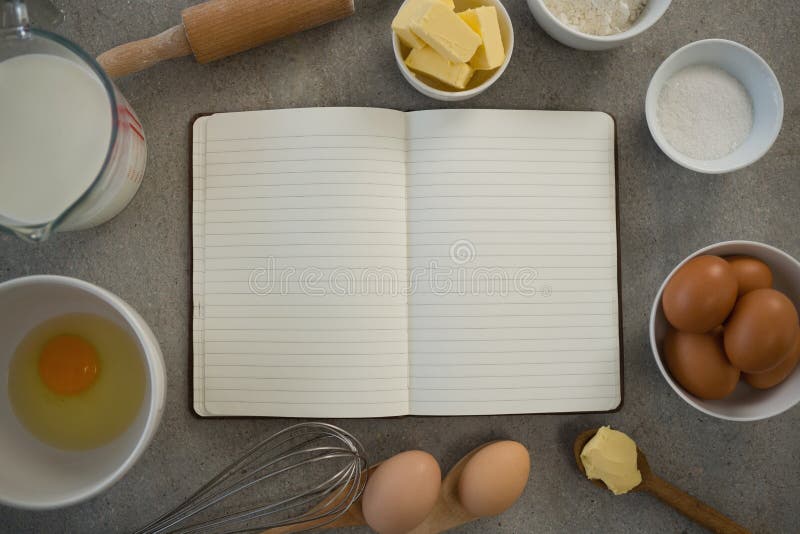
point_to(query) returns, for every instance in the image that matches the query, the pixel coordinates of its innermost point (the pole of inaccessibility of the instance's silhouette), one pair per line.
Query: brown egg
(698, 363)
(401, 492)
(751, 273)
(778, 374)
(761, 330)
(700, 295)
(494, 478)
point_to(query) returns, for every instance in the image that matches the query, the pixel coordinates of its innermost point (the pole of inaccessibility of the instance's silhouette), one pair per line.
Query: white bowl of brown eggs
(82, 390)
(452, 50)
(725, 333)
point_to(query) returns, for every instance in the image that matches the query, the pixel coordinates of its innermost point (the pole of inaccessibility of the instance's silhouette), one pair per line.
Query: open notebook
(356, 262)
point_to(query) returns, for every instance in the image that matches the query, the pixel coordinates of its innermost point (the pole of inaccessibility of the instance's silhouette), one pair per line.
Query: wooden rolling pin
(220, 28)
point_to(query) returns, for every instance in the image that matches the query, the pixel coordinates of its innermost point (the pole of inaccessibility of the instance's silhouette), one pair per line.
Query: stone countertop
(748, 471)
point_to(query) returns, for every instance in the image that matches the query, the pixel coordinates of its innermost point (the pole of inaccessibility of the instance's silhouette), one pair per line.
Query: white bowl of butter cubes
(452, 50)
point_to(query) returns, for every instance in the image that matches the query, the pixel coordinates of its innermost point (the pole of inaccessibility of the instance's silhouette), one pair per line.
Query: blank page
(513, 262)
(296, 214)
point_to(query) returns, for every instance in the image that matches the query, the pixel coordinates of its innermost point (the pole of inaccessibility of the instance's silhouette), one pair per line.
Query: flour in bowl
(597, 17)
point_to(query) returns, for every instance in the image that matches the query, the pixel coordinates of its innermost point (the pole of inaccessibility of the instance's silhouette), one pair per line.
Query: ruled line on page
(503, 148)
(363, 219)
(417, 304)
(573, 197)
(538, 208)
(512, 388)
(305, 148)
(306, 172)
(414, 138)
(420, 365)
(279, 197)
(507, 184)
(320, 379)
(373, 293)
(398, 270)
(484, 197)
(481, 136)
(438, 316)
(305, 160)
(301, 184)
(502, 160)
(315, 366)
(492, 364)
(360, 341)
(304, 136)
(315, 208)
(299, 390)
(485, 148)
(523, 173)
(355, 404)
(526, 399)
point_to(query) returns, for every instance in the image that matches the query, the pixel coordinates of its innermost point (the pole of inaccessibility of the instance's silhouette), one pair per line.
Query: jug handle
(14, 17)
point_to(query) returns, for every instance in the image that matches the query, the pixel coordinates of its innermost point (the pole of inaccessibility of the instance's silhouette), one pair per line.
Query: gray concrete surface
(750, 471)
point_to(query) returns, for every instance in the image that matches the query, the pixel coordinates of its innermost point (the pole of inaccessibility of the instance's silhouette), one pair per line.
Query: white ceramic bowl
(745, 403)
(583, 41)
(481, 80)
(759, 80)
(34, 475)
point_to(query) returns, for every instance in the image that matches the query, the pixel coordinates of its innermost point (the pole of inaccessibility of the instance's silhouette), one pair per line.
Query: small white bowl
(569, 36)
(35, 475)
(756, 76)
(745, 403)
(481, 80)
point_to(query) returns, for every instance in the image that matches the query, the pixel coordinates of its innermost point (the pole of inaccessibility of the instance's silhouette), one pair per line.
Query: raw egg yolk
(68, 364)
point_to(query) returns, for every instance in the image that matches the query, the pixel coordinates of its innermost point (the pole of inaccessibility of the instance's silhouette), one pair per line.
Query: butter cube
(483, 20)
(446, 33)
(401, 22)
(427, 61)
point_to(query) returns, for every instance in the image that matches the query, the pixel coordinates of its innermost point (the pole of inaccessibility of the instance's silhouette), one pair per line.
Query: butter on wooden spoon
(613, 467)
(611, 456)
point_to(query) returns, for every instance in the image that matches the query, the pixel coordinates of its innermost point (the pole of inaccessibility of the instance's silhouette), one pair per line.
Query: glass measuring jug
(72, 151)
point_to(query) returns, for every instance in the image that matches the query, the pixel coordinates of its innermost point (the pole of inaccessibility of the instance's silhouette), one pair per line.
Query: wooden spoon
(694, 509)
(448, 512)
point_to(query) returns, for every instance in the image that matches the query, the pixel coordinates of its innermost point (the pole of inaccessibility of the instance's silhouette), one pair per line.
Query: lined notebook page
(294, 210)
(512, 249)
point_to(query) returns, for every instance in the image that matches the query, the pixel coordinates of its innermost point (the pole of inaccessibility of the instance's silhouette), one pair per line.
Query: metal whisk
(299, 447)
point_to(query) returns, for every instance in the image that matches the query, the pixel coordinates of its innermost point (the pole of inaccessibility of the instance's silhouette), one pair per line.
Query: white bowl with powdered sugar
(596, 24)
(714, 106)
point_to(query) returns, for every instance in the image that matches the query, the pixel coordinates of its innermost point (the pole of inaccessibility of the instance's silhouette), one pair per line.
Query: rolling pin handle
(139, 55)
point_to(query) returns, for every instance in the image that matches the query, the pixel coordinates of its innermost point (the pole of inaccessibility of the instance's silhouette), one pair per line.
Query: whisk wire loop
(297, 447)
